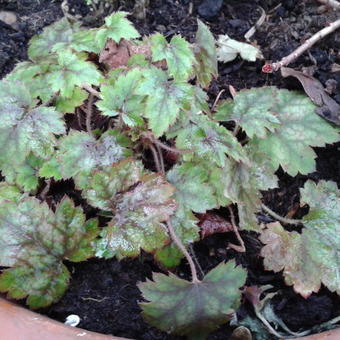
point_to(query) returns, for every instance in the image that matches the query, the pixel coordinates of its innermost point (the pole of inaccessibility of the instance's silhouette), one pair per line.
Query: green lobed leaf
(44, 282)
(51, 168)
(33, 76)
(205, 54)
(25, 128)
(25, 174)
(300, 128)
(72, 70)
(85, 40)
(79, 153)
(252, 110)
(106, 183)
(312, 257)
(9, 192)
(139, 204)
(193, 191)
(307, 259)
(178, 55)
(34, 241)
(243, 184)
(116, 27)
(120, 99)
(54, 37)
(207, 139)
(185, 225)
(164, 99)
(137, 221)
(192, 308)
(68, 105)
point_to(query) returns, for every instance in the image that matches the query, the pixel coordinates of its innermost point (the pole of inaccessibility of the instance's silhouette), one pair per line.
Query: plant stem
(156, 159)
(46, 189)
(89, 114)
(267, 324)
(194, 257)
(50, 101)
(180, 245)
(90, 89)
(161, 159)
(278, 217)
(268, 68)
(241, 248)
(217, 99)
(169, 148)
(236, 130)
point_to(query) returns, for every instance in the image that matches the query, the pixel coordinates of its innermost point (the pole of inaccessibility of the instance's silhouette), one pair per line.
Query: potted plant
(148, 96)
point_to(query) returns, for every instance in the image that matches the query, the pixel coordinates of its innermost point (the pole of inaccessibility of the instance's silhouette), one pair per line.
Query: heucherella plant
(134, 97)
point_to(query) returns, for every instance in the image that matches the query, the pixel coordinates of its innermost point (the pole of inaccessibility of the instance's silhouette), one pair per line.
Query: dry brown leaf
(211, 223)
(117, 55)
(328, 108)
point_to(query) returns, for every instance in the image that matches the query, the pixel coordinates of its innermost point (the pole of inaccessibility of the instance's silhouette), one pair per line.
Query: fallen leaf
(9, 18)
(335, 68)
(329, 109)
(211, 223)
(117, 55)
(228, 49)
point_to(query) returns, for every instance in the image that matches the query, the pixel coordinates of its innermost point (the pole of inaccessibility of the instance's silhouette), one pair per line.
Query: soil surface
(104, 293)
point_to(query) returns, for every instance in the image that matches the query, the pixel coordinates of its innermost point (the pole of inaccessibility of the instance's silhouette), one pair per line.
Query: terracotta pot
(333, 334)
(18, 323)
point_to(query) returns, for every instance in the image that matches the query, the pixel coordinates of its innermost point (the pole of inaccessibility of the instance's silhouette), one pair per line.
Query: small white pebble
(72, 320)
(81, 334)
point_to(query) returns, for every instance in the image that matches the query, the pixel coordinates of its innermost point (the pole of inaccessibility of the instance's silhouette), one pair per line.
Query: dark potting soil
(103, 292)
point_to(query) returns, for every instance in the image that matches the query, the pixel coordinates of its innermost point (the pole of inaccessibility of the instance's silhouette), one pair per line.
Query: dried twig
(278, 217)
(148, 135)
(91, 90)
(241, 248)
(331, 3)
(161, 159)
(169, 148)
(216, 100)
(46, 189)
(89, 114)
(269, 68)
(258, 23)
(156, 159)
(50, 101)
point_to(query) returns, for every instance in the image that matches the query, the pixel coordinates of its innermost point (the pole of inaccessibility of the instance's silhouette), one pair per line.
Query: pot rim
(18, 323)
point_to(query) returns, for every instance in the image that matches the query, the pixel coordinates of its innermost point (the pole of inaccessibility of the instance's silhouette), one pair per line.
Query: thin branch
(51, 100)
(155, 158)
(46, 189)
(278, 217)
(267, 324)
(242, 248)
(180, 245)
(236, 130)
(161, 159)
(217, 99)
(331, 3)
(269, 68)
(169, 148)
(193, 255)
(89, 114)
(90, 89)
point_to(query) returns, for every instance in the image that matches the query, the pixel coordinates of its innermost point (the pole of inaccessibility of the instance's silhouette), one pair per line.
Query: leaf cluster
(155, 101)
